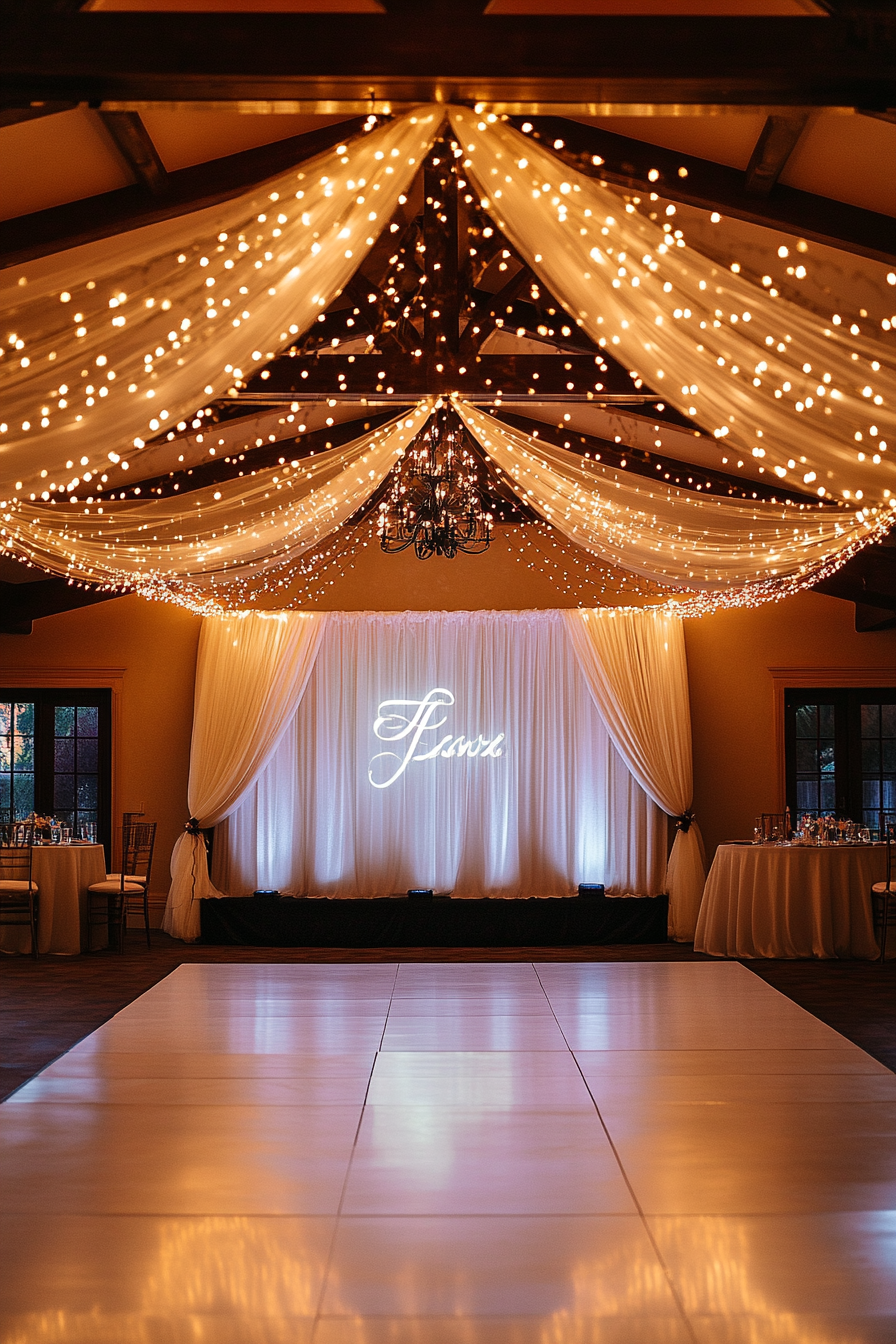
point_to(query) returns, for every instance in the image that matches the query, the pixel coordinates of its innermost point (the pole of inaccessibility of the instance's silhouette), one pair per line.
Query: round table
(63, 873)
(790, 901)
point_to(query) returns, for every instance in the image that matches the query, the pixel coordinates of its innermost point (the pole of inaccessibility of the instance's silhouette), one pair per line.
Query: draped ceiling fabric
(636, 669)
(458, 751)
(761, 372)
(251, 671)
(660, 532)
(175, 313)
(228, 533)
(112, 346)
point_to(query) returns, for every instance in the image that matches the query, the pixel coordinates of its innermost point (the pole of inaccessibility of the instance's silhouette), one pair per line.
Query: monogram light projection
(415, 724)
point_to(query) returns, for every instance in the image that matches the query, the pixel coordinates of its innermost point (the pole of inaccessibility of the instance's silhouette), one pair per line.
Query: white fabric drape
(224, 533)
(251, 671)
(552, 806)
(177, 312)
(673, 536)
(636, 669)
(813, 400)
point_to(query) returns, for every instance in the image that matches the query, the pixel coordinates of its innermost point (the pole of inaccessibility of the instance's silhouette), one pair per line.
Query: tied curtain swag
(116, 348)
(314, 798)
(251, 671)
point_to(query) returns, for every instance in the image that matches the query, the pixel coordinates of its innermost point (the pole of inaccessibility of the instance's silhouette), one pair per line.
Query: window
(840, 752)
(55, 756)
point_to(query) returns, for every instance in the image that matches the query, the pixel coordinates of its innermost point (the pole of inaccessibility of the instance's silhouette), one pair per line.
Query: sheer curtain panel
(251, 672)
(456, 751)
(636, 669)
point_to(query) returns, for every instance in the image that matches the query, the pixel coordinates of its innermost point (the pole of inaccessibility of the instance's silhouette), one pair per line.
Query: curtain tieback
(683, 823)
(192, 827)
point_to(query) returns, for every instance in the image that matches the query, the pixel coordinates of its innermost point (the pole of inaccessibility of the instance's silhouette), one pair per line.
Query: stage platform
(282, 921)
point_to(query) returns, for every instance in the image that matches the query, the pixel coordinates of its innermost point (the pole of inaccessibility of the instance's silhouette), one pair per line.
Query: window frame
(23, 680)
(816, 678)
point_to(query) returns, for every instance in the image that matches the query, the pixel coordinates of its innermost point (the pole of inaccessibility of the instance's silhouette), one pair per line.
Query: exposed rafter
(104, 216)
(15, 115)
(712, 186)
(430, 50)
(134, 144)
(777, 141)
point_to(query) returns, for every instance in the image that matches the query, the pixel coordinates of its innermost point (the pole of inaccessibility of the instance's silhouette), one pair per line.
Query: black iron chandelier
(434, 501)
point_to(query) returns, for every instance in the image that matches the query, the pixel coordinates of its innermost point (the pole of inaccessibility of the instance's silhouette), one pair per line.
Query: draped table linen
(62, 873)
(790, 901)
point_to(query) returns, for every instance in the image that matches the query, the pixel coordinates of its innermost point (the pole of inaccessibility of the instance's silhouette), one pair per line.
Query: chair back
(138, 840)
(16, 856)
(888, 833)
(17, 834)
(775, 826)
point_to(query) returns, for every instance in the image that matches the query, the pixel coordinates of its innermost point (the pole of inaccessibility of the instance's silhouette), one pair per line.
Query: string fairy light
(102, 366)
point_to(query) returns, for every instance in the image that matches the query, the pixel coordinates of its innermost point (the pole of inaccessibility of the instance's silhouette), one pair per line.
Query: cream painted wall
(732, 703)
(155, 644)
(729, 655)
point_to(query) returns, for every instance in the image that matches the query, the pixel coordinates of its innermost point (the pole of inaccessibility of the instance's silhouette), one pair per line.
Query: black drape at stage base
(281, 921)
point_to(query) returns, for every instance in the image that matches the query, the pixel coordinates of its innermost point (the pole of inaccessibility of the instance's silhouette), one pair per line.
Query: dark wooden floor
(48, 1005)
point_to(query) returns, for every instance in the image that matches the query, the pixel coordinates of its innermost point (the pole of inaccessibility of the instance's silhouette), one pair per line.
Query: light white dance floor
(562, 1153)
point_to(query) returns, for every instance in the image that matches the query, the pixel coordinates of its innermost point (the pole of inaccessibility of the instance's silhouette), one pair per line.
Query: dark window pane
(87, 753)
(807, 795)
(5, 795)
(65, 817)
(88, 720)
(23, 795)
(65, 720)
(888, 720)
(826, 720)
(889, 795)
(87, 791)
(870, 755)
(889, 756)
(23, 756)
(871, 793)
(870, 720)
(806, 756)
(24, 719)
(827, 793)
(64, 753)
(64, 791)
(807, 721)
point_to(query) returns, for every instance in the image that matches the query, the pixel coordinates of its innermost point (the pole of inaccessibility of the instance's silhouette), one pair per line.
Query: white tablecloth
(63, 873)
(790, 901)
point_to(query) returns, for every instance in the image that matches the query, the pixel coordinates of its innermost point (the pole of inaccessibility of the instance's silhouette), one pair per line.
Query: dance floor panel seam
(662, 1153)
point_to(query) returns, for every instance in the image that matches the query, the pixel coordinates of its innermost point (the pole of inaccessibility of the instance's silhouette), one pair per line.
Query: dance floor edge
(448, 1153)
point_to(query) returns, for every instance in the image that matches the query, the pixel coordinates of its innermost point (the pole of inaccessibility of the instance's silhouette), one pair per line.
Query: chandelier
(434, 502)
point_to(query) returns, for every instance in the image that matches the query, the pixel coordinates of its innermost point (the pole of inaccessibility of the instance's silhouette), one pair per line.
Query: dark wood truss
(713, 186)
(427, 50)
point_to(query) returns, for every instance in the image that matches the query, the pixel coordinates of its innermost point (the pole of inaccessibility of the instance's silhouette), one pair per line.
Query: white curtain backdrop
(251, 671)
(548, 803)
(636, 669)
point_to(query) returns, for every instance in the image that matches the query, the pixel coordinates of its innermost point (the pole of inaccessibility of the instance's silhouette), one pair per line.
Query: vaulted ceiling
(772, 113)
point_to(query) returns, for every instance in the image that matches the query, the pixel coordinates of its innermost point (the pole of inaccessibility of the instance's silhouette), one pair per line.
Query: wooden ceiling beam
(29, 236)
(433, 51)
(777, 141)
(712, 186)
(401, 378)
(11, 115)
(134, 144)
